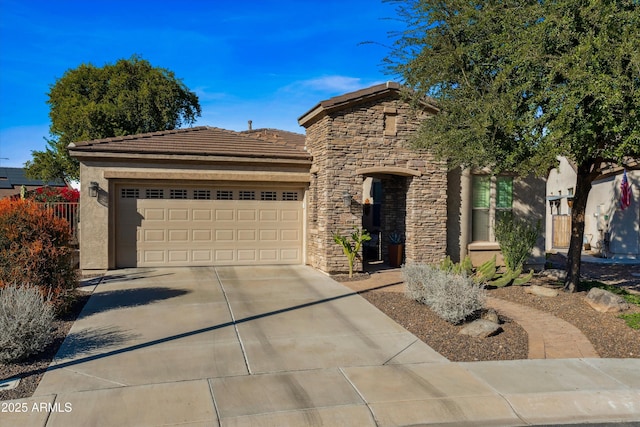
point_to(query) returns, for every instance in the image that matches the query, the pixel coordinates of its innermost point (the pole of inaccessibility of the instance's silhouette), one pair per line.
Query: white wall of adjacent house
(603, 215)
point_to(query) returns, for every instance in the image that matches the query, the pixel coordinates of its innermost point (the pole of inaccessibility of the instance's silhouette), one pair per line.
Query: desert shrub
(35, 248)
(517, 239)
(454, 297)
(26, 319)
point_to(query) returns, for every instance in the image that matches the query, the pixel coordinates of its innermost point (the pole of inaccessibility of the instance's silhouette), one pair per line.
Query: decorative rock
(555, 274)
(605, 301)
(541, 291)
(491, 315)
(481, 328)
(9, 384)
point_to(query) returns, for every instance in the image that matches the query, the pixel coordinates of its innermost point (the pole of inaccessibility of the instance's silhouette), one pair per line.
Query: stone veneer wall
(353, 138)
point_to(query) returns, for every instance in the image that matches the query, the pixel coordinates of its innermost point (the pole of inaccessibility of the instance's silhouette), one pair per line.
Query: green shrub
(454, 297)
(516, 239)
(35, 248)
(26, 319)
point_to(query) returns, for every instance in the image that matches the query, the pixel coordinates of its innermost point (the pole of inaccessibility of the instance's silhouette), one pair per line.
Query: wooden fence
(561, 231)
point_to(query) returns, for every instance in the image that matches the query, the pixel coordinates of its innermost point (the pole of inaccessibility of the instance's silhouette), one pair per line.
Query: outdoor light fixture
(346, 199)
(93, 189)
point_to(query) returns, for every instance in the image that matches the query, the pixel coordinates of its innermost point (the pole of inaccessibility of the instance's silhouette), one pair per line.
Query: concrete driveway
(283, 346)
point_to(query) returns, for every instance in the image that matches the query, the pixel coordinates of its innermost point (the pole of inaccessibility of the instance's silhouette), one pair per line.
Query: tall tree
(522, 82)
(124, 98)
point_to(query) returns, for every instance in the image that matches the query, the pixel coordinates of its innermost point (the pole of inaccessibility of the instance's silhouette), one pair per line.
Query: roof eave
(364, 95)
(217, 158)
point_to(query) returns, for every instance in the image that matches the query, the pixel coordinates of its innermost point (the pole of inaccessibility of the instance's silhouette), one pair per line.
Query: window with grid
(481, 206)
(154, 193)
(268, 195)
(177, 194)
(246, 195)
(224, 195)
(202, 194)
(504, 197)
(129, 193)
(492, 201)
(290, 196)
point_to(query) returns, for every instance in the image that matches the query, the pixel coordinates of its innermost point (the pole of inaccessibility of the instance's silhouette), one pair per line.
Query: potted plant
(396, 249)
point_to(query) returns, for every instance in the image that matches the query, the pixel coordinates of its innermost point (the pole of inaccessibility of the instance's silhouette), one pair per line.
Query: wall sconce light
(93, 189)
(346, 199)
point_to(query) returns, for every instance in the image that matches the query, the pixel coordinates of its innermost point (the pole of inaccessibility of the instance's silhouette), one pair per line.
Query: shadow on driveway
(91, 339)
(115, 336)
(125, 298)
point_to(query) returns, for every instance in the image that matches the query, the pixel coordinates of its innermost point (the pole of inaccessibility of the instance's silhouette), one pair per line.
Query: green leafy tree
(125, 98)
(522, 82)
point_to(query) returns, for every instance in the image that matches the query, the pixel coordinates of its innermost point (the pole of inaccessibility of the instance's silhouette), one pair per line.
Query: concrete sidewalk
(288, 346)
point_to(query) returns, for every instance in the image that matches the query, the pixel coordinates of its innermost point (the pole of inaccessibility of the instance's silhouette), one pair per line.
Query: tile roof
(15, 177)
(202, 141)
(289, 139)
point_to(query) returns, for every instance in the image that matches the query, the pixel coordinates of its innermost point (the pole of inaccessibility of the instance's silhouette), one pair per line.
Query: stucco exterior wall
(373, 134)
(529, 205)
(603, 214)
(95, 219)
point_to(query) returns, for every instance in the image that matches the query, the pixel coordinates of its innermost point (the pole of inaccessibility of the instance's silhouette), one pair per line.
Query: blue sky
(268, 61)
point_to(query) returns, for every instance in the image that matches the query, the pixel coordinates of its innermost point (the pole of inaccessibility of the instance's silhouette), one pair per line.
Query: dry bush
(26, 319)
(454, 297)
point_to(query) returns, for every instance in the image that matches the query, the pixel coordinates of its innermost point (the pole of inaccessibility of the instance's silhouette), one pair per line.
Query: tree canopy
(128, 97)
(520, 83)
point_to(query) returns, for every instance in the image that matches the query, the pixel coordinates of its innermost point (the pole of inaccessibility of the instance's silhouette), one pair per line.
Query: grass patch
(632, 320)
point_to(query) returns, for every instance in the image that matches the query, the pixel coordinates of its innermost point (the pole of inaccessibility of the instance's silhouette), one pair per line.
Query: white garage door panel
(169, 232)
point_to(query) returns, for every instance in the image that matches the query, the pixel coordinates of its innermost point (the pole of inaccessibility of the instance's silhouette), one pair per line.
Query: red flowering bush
(35, 249)
(53, 194)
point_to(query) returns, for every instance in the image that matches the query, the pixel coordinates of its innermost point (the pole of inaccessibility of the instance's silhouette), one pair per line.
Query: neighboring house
(12, 180)
(610, 231)
(208, 196)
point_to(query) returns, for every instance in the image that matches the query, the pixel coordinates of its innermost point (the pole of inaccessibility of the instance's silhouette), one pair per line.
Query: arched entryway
(384, 211)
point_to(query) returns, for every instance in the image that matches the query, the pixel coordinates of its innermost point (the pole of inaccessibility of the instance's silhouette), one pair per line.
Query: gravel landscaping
(610, 335)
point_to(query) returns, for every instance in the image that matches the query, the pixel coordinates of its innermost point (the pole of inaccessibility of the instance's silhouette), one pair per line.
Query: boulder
(481, 328)
(491, 315)
(541, 291)
(605, 301)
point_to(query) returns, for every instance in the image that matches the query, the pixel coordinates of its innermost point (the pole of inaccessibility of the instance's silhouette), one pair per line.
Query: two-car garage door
(212, 225)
